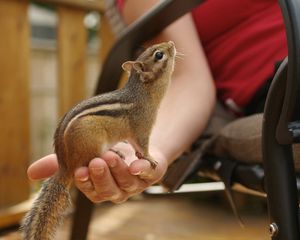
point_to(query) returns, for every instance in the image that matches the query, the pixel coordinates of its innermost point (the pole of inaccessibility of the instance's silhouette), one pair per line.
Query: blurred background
(50, 58)
(44, 72)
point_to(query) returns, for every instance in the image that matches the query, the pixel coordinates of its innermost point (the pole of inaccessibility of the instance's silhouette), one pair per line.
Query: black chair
(280, 130)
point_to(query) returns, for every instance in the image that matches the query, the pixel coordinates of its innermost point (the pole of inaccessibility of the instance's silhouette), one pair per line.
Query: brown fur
(95, 125)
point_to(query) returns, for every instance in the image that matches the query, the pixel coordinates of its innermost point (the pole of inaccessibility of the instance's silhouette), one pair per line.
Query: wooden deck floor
(177, 217)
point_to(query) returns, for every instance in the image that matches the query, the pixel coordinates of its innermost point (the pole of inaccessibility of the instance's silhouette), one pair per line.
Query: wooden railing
(14, 87)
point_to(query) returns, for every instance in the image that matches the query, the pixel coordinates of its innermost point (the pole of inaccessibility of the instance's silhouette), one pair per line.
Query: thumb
(43, 168)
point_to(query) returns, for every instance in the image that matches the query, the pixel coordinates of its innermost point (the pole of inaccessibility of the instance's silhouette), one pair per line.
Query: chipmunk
(95, 125)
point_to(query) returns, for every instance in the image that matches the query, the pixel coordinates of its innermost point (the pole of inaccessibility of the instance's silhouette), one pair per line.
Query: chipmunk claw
(152, 162)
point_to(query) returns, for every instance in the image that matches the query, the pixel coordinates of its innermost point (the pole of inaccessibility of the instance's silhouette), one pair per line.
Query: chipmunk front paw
(148, 158)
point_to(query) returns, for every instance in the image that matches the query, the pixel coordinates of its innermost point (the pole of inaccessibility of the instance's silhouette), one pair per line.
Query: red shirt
(243, 39)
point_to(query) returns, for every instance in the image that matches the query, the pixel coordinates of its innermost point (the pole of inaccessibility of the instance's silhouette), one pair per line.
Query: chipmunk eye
(158, 55)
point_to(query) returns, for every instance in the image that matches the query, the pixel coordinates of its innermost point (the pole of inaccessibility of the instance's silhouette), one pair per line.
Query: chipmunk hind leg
(83, 143)
(141, 146)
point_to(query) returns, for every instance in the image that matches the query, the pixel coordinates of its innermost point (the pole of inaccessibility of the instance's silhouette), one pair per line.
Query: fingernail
(83, 179)
(97, 171)
(137, 173)
(112, 163)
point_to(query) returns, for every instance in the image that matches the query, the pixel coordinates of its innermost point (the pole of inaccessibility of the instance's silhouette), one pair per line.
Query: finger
(86, 187)
(81, 174)
(143, 169)
(105, 185)
(126, 150)
(84, 184)
(43, 168)
(125, 180)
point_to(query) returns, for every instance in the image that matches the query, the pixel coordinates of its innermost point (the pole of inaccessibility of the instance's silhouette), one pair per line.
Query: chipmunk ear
(145, 76)
(127, 66)
(136, 65)
(139, 68)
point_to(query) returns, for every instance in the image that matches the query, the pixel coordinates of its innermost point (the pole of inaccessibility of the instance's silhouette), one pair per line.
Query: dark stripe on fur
(108, 113)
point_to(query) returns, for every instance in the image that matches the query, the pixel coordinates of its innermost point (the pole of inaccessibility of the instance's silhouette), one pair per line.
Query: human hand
(109, 178)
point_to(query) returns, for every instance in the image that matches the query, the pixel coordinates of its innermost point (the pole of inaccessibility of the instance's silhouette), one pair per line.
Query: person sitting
(230, 52)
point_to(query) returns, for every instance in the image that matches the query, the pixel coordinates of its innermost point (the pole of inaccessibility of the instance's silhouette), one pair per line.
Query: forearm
(182, 118)
(190, 100)
(188, 104)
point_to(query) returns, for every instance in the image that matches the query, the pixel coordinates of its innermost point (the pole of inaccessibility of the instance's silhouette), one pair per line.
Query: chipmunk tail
(48, 209)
